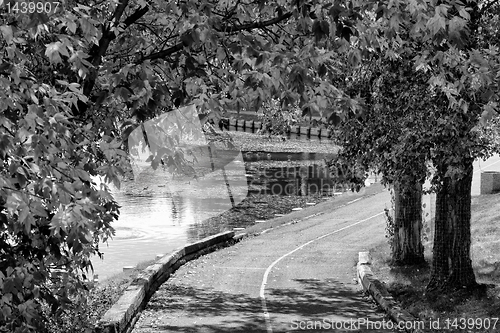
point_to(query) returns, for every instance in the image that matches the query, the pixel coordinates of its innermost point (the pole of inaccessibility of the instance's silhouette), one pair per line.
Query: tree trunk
(407, 246)
(451, 262)
(226, 180)
(228, 187)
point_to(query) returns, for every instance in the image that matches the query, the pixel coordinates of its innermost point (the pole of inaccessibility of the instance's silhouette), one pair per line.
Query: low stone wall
(372, 286)
(125, 312)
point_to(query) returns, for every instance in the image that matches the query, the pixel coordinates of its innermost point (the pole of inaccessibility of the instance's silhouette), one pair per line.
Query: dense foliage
(275, 121)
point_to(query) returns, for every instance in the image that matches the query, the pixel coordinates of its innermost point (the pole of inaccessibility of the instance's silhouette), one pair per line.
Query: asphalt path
(299, 277)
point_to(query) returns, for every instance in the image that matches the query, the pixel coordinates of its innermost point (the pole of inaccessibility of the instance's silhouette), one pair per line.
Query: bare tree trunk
(212, 165)
(451, 262)
(407, 246)
(228, 186)
(226, 180)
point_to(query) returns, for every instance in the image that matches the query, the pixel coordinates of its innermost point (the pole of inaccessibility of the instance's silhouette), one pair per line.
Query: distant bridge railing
(254, 126)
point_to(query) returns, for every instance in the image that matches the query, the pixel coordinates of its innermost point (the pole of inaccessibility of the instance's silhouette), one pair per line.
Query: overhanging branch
(255, 25)
(119, 11)
(227, 30)
(97, 52)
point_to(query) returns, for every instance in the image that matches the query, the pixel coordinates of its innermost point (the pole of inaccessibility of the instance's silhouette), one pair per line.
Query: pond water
(151, 225)
(293, 180)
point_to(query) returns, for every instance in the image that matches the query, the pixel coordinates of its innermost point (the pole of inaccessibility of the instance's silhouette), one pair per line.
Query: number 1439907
(30, 7)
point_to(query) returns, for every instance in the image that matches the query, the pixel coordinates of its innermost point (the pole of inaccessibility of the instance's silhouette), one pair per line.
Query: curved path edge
(379, 293)
(121, 317)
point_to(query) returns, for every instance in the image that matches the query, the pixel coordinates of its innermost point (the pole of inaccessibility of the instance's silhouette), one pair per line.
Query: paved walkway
(299, 277)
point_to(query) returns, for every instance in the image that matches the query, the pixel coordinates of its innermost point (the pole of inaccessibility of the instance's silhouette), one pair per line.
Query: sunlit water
(153, 225)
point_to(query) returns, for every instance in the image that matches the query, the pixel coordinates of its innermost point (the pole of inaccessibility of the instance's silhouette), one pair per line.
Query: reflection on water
(293, 136)
(294, 180)
(152, 225)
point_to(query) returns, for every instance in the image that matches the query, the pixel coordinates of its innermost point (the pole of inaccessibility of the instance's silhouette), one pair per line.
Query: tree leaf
(7, 33)
(53, 51)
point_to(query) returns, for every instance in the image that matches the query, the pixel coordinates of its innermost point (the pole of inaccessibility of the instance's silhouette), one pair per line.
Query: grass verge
(82, 316)
(461, 311)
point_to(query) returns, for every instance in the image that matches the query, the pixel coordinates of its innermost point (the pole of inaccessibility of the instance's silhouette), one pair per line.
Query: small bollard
(364, 262)
(364, 258)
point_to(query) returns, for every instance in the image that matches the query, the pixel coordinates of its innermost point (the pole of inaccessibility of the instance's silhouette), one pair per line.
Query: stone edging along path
(381, 296)
(124, 313)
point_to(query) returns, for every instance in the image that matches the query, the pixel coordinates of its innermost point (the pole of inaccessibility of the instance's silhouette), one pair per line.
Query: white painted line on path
(268, 270)
(350, 202)
(228, 267)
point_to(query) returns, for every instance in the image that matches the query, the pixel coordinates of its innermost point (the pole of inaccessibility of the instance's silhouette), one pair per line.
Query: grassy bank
(407, 284)
(82, 317)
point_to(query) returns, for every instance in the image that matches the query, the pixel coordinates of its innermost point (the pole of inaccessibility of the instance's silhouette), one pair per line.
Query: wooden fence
(309, 132)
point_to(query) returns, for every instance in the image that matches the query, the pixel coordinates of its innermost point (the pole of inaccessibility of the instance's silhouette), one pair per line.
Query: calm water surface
(153, 225)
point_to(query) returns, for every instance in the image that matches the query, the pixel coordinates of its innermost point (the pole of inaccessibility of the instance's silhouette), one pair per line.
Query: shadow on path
(315, 306)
